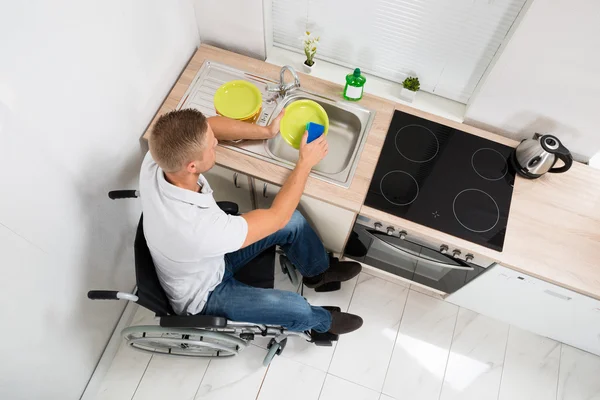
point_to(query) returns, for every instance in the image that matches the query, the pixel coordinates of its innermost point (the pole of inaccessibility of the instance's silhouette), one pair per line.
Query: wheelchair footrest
(325, 338)
(329, 287)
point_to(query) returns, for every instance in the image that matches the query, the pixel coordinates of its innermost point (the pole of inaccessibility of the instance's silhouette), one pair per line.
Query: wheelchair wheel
(289, 269)
(182, 342)
(275, 349)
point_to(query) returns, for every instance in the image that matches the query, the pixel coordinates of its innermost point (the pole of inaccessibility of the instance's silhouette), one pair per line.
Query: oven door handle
(417, 258)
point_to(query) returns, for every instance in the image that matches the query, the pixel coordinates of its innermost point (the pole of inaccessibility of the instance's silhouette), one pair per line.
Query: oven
(413, 257)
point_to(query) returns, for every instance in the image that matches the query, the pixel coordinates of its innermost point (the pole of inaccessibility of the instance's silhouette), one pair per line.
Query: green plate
(297, 115)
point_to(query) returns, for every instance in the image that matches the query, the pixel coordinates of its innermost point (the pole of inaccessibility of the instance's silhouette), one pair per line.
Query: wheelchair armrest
(229, 207)
(192, 321)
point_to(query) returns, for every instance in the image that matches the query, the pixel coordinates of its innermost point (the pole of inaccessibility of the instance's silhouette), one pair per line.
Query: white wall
(235, 25)
(547, 79)
(79, 82)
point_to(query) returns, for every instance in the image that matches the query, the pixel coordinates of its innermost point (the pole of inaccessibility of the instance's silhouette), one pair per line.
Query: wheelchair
(203, 335)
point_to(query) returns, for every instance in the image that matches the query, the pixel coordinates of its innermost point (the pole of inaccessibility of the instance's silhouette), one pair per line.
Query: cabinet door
(264, 193)
(535, 305)
(229, 185)
(331, 223)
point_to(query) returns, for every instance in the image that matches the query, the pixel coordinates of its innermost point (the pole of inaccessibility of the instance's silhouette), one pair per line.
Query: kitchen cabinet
(229, 185)
(331, 223)
(534, 305)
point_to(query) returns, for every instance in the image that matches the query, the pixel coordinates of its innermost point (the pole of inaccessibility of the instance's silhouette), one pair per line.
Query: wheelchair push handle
(103, 295)
(111, 295)
(123, 194)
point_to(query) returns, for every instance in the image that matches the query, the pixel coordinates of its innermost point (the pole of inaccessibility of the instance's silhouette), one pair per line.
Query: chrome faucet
(282, 88)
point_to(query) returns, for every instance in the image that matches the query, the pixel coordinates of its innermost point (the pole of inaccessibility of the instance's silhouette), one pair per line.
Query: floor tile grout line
(408, 286)
(449, 352)
(347, 309)
(395, 340)
(558, 373)
(304, 363)
(322, 386)
(262, 382)
(355, 383)
(202, 380)
(430, 294)
(142, 377)
(504, 361)
(392, 281)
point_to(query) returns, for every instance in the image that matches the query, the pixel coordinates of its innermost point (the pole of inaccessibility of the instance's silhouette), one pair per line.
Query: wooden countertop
(351, 198)
(553, 229)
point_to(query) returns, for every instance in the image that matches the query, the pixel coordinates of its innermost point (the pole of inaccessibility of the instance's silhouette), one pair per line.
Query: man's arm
(231, 129)
(262, 223)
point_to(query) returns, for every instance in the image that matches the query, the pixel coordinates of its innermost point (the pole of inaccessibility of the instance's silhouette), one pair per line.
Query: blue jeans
(239, 302)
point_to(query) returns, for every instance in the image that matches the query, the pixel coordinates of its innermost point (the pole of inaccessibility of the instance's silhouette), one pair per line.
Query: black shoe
(342, 322)
(338, 271)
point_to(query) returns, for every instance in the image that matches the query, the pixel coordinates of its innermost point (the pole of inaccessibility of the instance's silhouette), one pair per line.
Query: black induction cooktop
(444, 178)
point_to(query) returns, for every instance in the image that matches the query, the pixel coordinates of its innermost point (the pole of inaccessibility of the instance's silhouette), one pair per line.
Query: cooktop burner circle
(399, 188)
(417, 143)
(476, 210)
(489, 164)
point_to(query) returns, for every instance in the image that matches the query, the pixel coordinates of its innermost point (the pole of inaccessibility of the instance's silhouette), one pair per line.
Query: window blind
(447, 44)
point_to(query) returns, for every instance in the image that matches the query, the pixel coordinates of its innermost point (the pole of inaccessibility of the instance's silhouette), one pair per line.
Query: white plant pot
(307, 69)
(408, 95)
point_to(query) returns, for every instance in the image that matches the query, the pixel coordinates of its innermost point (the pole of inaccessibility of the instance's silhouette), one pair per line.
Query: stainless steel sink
(348, 123)
(347, 126)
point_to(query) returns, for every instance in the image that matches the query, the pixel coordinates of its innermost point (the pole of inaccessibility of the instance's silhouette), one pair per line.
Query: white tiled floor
(476, 358)
(412, 346)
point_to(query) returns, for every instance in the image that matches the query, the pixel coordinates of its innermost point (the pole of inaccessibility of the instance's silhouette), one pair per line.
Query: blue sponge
(314, 131)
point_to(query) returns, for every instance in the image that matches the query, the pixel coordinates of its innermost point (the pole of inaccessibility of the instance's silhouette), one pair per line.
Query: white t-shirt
(188, 236)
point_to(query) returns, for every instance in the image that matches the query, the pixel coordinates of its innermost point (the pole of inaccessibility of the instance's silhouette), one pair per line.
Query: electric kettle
(534, 157)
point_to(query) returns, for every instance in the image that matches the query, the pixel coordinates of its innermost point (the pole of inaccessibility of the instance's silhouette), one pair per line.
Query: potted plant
(410, 86)
(310, 43)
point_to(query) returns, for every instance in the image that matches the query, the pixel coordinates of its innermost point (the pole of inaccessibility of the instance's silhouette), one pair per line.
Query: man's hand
(273, 127)
(313, 152)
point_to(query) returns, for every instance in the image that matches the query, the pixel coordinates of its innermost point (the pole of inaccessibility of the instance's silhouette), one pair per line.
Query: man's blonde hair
(177, 137)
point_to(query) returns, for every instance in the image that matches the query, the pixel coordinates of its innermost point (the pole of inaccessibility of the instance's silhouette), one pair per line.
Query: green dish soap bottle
(355, 83)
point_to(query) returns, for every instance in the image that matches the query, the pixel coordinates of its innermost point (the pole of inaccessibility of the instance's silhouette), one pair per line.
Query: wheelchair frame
(223, 339)
(203, 335)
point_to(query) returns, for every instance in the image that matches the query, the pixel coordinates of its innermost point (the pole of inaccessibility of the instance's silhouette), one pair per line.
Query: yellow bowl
(297, 115)
(238, 100)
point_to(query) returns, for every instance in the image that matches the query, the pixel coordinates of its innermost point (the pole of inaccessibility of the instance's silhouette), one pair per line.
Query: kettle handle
(565, 155)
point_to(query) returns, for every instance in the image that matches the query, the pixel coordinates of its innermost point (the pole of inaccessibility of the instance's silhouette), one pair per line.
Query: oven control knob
(443, 249)
(469, 257)
(390, 230)
(456, 253)
(403, 235)
(377, 225)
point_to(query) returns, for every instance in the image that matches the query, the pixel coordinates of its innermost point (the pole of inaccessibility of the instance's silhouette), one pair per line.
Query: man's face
(208, 155)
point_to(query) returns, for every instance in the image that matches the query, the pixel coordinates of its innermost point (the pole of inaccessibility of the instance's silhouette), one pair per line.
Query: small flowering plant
(310, 43)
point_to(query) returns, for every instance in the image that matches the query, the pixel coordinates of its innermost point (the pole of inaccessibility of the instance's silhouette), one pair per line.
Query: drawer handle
(557, 295)
(235, 177)
(265, 191)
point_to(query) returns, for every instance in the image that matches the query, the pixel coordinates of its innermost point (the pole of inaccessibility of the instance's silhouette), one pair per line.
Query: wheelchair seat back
(150, 292)
(259, 272)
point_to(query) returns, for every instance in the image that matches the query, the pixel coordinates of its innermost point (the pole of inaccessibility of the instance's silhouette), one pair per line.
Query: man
(197, 248)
